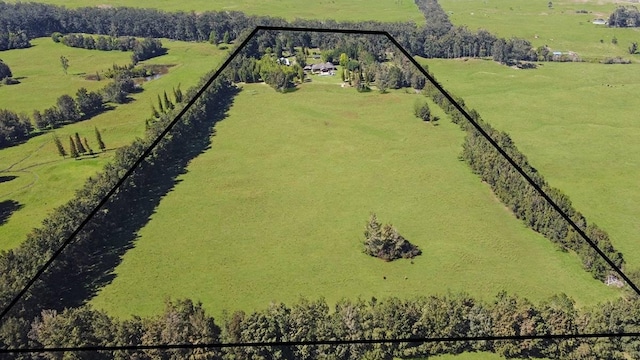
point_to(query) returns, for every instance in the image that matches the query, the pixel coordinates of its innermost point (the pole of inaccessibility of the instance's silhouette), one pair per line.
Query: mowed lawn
(276, 209)
(341, 10)
(577, 124)
(43, 180)
(561, 27)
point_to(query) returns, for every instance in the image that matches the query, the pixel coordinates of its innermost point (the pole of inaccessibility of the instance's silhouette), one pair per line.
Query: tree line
(15, 128)
(444, 316)
(437, 38)
(142, 49)
(521, 198)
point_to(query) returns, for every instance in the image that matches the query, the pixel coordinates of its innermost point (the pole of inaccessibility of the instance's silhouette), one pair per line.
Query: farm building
(599, 22)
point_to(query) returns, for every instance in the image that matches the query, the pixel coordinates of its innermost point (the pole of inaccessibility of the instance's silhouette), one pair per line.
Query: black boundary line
(314, 343)
(148, 151)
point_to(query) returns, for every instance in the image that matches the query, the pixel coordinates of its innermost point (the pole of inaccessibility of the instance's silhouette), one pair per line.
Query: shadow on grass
(4, 179)
(88, 263)
(8, 207)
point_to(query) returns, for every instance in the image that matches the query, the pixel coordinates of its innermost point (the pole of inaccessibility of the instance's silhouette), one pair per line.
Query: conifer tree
(86, 144)
(59, 146)
(167, 103)
(79, 145)
(72, 147)
(154, 112)
(177, 94)
(160, 106)
(99, 140)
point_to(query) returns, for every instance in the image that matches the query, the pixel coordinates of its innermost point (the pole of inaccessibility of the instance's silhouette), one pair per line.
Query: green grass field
(43, 179)
(341, 10)
(276, 208)
(576, 124)
(560, 27)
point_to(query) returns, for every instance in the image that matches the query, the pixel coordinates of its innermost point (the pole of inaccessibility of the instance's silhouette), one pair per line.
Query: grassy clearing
(560, 27)
(276, 209)
(43, 179)
(576, 124)
(42, 79)
(341, 10)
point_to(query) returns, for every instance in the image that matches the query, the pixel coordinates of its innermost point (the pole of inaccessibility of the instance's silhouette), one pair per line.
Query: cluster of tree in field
(450, 316)
(521, 198)
(165, 105)
(13, 40)
(5, 71)
(625, 16)
(437, 38)
(126, 71)
(386, 243)
(77, 146)
(265, 69)
(142, 49)
(14, 128)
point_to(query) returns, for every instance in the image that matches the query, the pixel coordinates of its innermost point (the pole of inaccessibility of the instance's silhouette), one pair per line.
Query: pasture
(340, 10)
(576, 124)
(276, 209)
(40, 179)
(560, 27)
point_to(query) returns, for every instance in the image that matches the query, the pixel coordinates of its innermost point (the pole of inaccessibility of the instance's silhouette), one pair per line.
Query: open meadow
(341, 10)
(561, 27)
(276, 209)
(38, 179)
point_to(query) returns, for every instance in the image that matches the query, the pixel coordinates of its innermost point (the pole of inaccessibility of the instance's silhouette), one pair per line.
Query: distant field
(42, 79)
(577, 125)
(560, 27)
(342, 10)
(276, 209)
(43, 179)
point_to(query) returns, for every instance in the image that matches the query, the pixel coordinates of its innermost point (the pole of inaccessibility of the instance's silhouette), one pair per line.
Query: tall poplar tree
(99, 140)
(79, 145)
(59, 146)
(72, 147)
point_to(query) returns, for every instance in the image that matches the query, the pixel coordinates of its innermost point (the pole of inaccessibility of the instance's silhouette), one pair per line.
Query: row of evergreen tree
(142, 49)
(78, 147)
(437, 38)
(521, 198)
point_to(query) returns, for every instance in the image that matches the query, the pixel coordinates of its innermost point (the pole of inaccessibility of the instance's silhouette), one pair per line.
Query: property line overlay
(178, 117)
(315, 343)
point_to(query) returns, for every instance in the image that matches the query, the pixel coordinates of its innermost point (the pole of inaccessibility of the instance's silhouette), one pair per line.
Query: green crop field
(561, 27)
(341, 10)
(276, 208)
(43, 180)
(577, 125)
